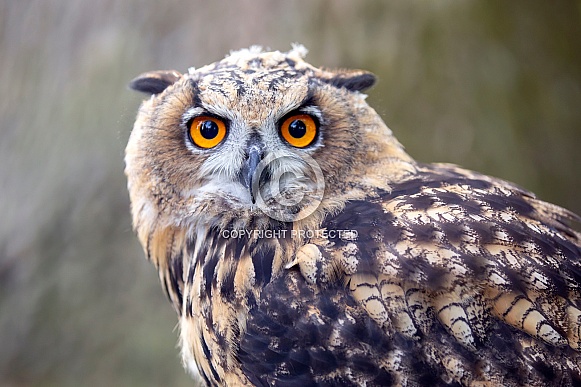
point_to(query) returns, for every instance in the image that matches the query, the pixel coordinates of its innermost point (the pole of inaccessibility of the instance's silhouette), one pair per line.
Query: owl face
(256, 134)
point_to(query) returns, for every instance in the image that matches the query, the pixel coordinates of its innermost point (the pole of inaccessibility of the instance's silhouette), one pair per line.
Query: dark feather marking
(196, 101)
(250, 300)
(526, 314)
(221, 341)
(208, 273)
(356, 214)
(427, 376)
(210, 259)
(546, 371)
(450, 198)
(208, 356)
(477, 264)
(366, 285)
(323, 360)
(383, 378)
(447, 306)
(570, 250)
(512, 304)
(547, 246)
(472, 207)
(516, 232)
(232, 252)
(176, 274)
(191, 245)
(363, 365)
(516, 279)
(227, 286)
(328, 308)
(208, 316)
(453, 231)
(205, 377)
(421, 202)
(460, 319)
(518, 204)
(557, 280)
(424, 232)
(262, 259)
(366, 218)
(239, 245)
(299, 360)
(496, 202)
(436, 276)
(189, 311)
(484, 232)
(192, 271)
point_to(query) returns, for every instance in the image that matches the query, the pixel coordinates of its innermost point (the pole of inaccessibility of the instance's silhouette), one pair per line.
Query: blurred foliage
(494, 86)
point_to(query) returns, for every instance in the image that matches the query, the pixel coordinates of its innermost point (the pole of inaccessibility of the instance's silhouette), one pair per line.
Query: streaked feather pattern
(411, 274)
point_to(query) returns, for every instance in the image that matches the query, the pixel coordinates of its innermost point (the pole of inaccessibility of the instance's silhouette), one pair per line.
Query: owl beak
(249, 168)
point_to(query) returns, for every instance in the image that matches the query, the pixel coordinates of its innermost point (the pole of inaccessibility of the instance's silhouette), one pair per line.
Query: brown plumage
(300, 245)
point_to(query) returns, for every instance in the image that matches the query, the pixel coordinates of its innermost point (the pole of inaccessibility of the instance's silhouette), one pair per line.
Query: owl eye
(299, 130)
(207, 132)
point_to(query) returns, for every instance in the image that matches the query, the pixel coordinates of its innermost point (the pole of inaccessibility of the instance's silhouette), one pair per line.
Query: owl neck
(226, 253)
(227, 270)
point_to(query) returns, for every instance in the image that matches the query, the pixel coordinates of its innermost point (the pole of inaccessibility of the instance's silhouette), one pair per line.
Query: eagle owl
(300, 245)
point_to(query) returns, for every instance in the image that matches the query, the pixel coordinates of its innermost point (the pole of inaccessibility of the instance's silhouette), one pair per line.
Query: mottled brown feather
(443, 277)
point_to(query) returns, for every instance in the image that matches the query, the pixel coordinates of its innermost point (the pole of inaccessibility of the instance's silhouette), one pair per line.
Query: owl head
(258, 137)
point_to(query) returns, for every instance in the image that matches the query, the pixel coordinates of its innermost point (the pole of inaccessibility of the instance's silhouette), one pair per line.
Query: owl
(300, 245)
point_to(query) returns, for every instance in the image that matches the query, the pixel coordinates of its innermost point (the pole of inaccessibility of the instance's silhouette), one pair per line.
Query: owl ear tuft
(154, 82)
(354, 80)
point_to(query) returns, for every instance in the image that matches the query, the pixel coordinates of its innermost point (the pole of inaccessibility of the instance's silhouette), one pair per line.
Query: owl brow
(306, 105)
(196, 101)
(310, 104)
(197, 106)
(310, 98)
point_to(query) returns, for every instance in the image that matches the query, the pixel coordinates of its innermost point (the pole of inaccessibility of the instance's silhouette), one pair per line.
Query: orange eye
(207, 132)
(299, 130)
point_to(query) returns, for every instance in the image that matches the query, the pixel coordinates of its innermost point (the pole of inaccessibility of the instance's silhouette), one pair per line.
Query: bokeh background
(492, 85)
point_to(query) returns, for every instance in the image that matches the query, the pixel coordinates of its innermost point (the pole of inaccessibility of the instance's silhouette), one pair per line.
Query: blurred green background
(492, 85)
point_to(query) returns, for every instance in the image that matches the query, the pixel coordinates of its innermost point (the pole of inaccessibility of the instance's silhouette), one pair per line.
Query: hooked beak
(247, 177)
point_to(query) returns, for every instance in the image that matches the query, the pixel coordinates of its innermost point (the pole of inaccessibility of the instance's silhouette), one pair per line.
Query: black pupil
(209, 129)
(297, 129)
